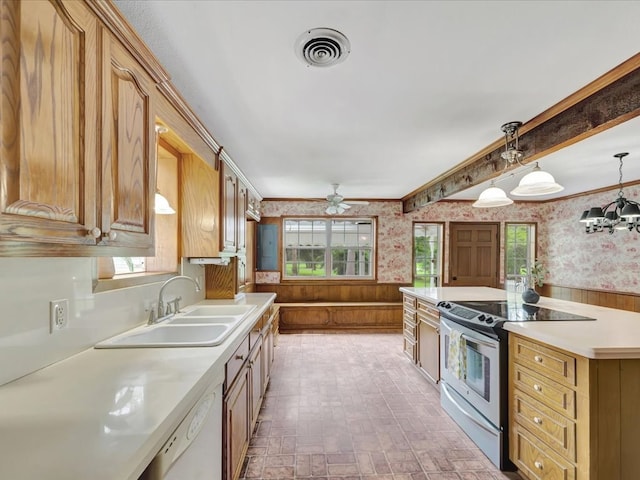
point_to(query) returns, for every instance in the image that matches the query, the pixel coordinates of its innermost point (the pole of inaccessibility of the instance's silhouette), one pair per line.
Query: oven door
(477, 380)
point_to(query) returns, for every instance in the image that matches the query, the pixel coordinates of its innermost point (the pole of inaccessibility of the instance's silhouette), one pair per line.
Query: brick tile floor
(350, 406)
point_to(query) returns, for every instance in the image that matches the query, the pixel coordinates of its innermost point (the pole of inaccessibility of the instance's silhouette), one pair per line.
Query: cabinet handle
(239, 357)
(538, 358)
(538, 465)
(110, 235)
(537, 420)
(94, 232)
(537, 388)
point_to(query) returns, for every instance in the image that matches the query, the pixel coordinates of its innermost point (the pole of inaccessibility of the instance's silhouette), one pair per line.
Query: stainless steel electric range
(474, 367)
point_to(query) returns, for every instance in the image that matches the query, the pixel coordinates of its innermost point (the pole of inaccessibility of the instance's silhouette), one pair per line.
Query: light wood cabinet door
(256, 390)
(128, 146)
(228, 209)
(429, 349)
(236, 425)
(241, 221)
(48, 125)
(199, 193)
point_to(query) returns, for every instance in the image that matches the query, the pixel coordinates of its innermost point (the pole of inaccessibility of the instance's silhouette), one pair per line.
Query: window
(519, 251)
(427, 255)
(329, 248)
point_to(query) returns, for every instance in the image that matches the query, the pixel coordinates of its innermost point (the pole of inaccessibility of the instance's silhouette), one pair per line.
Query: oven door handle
(445, 389)
(478, 341)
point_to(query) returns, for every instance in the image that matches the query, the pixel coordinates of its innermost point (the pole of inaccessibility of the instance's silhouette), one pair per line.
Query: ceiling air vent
(322, 47)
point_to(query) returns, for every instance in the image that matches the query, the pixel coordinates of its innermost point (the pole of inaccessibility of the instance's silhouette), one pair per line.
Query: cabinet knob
(239, 357)
(537, 420)
(537, 388)
(538, 358)
(94, 232)
(110, 235)
(538, 465)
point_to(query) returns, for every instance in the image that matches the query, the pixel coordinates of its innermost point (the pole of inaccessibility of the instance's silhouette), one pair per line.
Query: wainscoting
(622, 301)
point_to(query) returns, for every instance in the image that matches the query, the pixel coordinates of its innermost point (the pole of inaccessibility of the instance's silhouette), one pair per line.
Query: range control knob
(481, 317)
(444, 304)
(489, 320)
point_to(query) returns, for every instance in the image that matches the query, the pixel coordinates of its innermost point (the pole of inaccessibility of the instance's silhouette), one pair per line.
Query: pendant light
(536, 182)
(492, 197)
(620, 214)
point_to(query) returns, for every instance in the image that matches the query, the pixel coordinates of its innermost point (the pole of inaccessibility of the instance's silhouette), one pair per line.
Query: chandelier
(620, 214)
(536, 182)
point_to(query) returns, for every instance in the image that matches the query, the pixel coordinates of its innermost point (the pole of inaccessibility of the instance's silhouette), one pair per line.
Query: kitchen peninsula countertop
(615, 334)
(104, 414)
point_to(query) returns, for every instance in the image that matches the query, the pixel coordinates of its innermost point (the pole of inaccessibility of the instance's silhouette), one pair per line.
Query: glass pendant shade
(585, 217)
(492, 197)
(537, 182)
(162, 206)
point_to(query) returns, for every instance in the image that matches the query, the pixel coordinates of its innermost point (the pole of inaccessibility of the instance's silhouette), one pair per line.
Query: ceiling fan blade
(344, 205)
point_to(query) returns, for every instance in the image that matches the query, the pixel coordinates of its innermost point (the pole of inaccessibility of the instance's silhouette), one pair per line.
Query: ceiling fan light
(492, 197)
(331, 210)
(537, 182)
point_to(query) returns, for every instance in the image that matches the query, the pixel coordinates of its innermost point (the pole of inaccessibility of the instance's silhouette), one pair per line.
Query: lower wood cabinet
(247, 376)
(421, 335)
(572, 417)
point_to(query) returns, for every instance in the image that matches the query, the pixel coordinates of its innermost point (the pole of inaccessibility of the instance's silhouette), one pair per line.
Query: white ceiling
(427, 84)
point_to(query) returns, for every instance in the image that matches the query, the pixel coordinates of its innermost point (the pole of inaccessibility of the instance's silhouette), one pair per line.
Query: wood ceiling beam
(604, 103)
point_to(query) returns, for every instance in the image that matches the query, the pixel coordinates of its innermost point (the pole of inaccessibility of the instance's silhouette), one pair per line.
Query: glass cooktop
(520, 312)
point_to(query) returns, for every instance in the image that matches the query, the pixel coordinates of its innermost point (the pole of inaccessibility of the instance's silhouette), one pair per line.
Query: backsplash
(29, 284)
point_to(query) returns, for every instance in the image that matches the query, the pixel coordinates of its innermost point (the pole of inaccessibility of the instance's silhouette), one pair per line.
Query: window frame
(438, 278)
(532, 240)
(328, 257)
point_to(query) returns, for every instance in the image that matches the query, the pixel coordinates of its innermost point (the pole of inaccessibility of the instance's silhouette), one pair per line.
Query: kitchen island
(573, 388)
(104, 414)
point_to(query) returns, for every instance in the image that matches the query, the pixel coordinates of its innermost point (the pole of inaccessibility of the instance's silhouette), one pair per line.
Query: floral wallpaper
(573, 259)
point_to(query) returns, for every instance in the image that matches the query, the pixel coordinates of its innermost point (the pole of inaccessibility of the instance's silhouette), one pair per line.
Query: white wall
(28, 284)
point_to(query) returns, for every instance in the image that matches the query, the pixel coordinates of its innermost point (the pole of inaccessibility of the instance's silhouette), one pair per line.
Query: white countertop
(104, 414)
(614, 333)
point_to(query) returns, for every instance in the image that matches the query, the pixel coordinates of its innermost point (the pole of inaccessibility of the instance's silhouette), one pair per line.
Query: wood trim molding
(606, 102)
(602, 298)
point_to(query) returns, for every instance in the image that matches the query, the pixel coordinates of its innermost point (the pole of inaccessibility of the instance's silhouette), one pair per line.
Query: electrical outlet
(58, 315)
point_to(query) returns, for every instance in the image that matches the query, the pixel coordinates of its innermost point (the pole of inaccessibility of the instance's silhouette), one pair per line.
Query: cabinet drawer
(409, 302)
(410, 330)
(410, 348)
(536, 460)
(555, 429)
(234, 364)
(552, 394)
(409, 317)
(550, 363)
(426, 309)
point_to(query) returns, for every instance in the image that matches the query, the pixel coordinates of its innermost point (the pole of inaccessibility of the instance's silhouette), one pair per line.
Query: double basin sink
(197, 326)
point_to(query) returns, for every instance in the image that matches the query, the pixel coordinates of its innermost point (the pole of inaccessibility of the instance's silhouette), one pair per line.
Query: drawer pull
(239, 357)
(538, 358)
(537, 388)
(538, 465)
(537, 420)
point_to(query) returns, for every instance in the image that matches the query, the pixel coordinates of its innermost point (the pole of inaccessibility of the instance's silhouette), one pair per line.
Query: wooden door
(228, 210)
(48, 116)
(128, 150)
(236, 426)
(473, 258)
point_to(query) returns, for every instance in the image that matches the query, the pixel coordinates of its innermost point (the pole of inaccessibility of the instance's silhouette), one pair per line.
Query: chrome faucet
(161, 312)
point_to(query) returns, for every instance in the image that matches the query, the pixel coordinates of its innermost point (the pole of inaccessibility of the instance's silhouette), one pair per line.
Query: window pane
(427, 248)
(519, 253)
(346, 244)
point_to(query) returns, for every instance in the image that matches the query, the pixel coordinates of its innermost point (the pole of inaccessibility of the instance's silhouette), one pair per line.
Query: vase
(530, 296)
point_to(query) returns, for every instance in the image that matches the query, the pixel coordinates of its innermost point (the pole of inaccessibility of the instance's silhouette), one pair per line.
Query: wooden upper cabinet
(76, 136)
(199, 191)
(228, 209)
(128, 145)
(241, 221)
(48, 119)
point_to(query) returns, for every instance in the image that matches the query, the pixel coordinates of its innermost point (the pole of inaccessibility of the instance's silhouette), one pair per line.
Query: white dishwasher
(194, 450)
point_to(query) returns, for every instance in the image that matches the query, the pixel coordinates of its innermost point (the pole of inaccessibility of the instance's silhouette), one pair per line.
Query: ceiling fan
(337, 203)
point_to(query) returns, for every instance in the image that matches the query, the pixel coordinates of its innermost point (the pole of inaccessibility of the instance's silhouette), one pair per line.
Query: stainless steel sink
(157, 336)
